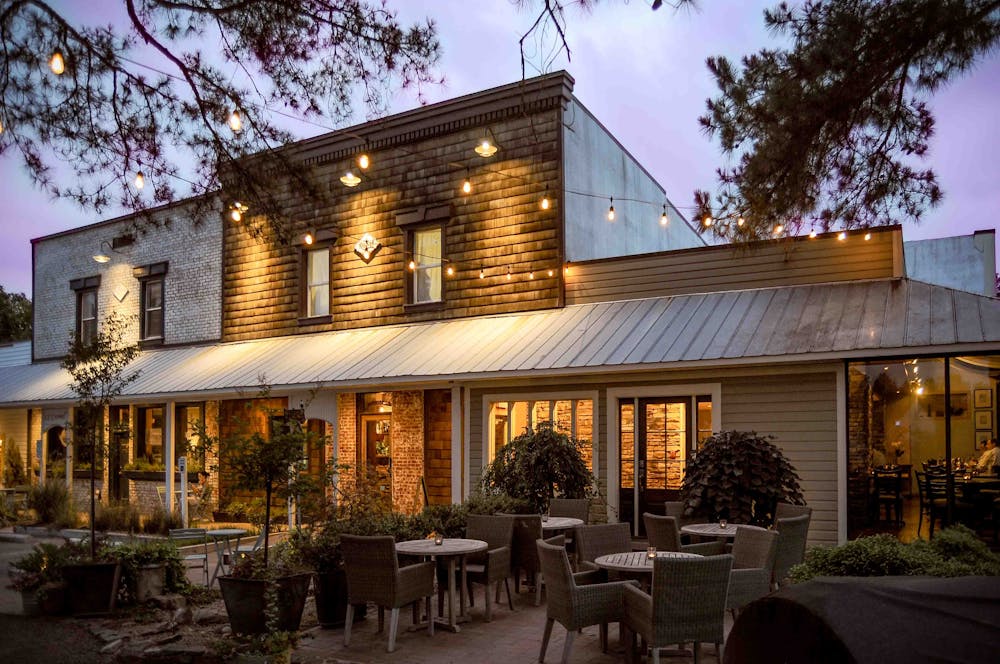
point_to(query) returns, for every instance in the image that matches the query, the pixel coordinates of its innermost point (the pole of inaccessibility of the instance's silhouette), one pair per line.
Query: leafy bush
(44, 564)
(539, 464)
(160, 522)
(740, 476)
(500, 503)
(52, 504)
(13, 465)
(133, 556)
(118, 516)
(954, 551)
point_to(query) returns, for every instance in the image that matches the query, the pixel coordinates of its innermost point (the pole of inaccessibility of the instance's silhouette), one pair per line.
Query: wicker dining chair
(577, 508)
(753, 564)
(492, 566)
(598, 540)
(792, 534)
(577, 600)
(663, 533)
(787, 510)
(374, 575)
(686, 602)
(197, 557)
(523, 553)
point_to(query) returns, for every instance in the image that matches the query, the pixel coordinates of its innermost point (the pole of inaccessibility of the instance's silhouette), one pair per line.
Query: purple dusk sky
(643, 76)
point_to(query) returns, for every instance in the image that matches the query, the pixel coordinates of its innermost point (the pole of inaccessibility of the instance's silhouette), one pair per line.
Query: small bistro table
(632, 562)
(222, 538)
(453, 551)
(558, 524)
(715, 530)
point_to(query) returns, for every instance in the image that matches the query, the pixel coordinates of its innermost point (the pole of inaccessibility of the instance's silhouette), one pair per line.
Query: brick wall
(192, 286)
(499, 224)
(407, 451)
(347, 437)
(437, 446)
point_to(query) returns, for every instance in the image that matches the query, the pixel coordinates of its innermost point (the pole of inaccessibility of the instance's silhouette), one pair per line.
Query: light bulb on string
(235, 121)
(778, 229)
(812, 234)
(509, 275)
(57, 64)
(664, 220)
(467, 184)
(413, 266)
(611, 209)
(842, 236)
(707, 221)
(551, 272)
(140, 181)
(740, 221)
(450, 271)
(531, 274)
(868, 236)
(364, 161)
(482, 272)
(308, 238)
(545, 200)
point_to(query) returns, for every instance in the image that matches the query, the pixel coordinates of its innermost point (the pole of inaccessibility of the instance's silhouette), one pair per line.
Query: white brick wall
(192, 287)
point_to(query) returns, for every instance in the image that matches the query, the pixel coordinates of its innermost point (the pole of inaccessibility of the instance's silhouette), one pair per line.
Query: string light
(778, 229)
(551, 272)
(467, 184)
(236, 211)
(812, 234)
(450, 271)
(566, 270)
(364, 161)
(531, 274)
(611, 209)
(308, 238)
(509, 275)
(413, 266)
(545, 200)
(868, 236)
(707, 221)
(235, 121)
(740, 222)
(349, 179)
(57, 64)
(482, 272)
(842, 236)
(663, 217)
(140, 181)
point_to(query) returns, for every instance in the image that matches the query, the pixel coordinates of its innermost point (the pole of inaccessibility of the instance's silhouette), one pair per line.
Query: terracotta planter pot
(91, 588)
(245, 602)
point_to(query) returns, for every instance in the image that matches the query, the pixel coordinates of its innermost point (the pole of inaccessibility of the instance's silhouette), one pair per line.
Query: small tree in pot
(740, 476)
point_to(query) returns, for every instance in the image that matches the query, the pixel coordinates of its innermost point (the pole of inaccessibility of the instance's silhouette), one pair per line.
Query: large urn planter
(150, 581)
(246, 602)
(330, 590)
(91, 588)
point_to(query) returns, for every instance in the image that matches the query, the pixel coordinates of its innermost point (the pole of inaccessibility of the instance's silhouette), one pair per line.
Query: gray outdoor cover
(878, 619)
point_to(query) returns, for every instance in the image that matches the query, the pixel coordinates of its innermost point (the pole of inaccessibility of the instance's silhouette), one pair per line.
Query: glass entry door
(377, 449)
(655, 437)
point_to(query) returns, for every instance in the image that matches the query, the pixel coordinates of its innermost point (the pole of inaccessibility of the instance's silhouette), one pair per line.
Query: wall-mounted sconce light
(114, 245)
(487, 145)
(349, 179)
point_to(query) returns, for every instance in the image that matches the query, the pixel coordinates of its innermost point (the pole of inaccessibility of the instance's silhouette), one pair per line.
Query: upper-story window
(318, 282)
(152, 279)
(86, 307)
(425, 281)
(426, 255)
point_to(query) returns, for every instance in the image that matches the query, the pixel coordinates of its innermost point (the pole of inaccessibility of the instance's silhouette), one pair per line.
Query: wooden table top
(561, 523)
(449, 547)
(636, 561)
(715, 530)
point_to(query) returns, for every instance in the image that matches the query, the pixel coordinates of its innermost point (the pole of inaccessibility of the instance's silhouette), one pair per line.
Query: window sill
(315, 320)
(423, 306)
(151, 343)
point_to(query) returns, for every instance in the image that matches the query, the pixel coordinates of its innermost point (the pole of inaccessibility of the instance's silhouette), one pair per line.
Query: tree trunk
(267, 518)
(93, 539)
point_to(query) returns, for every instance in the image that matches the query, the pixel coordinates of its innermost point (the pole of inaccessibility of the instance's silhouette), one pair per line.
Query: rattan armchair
(788, 510)
(598, 540)
(664, 533)
(574, 602)
(374, 575)
(577, 508)
(493, 566)
(753, 564)
(686, 602)
(792, 534)
(524, 553)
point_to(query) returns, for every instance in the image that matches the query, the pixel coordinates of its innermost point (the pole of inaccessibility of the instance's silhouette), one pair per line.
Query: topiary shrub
(538, 464)
(739, 476)
(954, 551)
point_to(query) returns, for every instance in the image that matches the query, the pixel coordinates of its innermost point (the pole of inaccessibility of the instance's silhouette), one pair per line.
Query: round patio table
(636, 561)
(557, 524)
(222, 538)
(452, 551)
(715, 530)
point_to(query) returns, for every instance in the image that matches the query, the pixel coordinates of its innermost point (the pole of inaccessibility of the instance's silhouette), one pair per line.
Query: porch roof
(771, 325)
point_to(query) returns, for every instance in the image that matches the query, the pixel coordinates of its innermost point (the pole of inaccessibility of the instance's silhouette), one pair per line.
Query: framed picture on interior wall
(983, 398)
(984, 419)
(982, 437)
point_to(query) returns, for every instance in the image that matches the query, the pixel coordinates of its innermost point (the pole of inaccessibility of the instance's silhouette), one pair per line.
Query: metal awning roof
(772, 325)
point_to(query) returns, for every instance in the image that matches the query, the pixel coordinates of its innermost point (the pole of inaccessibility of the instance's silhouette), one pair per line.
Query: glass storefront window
(509, 419)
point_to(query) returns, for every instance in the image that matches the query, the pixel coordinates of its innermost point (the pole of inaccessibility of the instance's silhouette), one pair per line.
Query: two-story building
(490, 262)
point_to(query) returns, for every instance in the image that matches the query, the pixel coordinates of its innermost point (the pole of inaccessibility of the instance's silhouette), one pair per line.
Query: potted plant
(148, 569)
(739, 476)
(263, 597)
(539, 464)
(98, 372)
(38, 577)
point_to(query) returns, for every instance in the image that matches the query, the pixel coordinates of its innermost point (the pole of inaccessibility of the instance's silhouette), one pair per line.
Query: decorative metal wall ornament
(367, 248)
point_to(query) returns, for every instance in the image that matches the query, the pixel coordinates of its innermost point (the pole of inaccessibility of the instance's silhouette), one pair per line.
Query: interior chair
(492, 566)
(524, 553)
(374, 575)
(785, 510)
(598, 540)
(197, 539)
(686, 602)
(936, 495)
(754, 552)
(577, 600)
(792, 535)
(888, 494)
(664, 533)
(925, 506)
